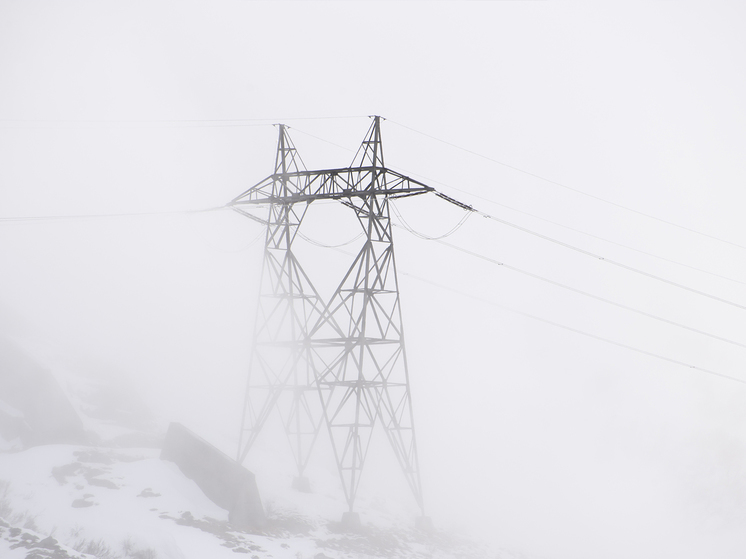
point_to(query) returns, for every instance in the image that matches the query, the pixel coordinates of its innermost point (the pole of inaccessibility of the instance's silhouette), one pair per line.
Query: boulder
(223, 480)
(33, 406)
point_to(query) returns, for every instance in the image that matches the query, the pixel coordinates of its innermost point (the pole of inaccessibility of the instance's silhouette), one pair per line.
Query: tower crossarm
(330, 184)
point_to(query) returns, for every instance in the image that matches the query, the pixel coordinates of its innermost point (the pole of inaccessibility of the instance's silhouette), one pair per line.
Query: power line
(581, 332)
(587, 294)
(484, 214)
(663, 258)
(126, 125)
(562, 285)
(614, 262)
(593, 255)
(410, 229)
(565, 327)
(321, 139)
(100, 216)
(578, 191)
(189, 123)
(322, 245)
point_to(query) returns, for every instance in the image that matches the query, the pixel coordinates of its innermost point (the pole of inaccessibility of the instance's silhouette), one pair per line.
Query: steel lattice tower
(340, 362)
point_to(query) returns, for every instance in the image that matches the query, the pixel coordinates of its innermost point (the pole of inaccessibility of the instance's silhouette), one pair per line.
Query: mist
(536, 438)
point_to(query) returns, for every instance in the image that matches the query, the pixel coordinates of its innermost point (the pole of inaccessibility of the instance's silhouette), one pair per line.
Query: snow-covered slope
(129, 503)
(116, 499)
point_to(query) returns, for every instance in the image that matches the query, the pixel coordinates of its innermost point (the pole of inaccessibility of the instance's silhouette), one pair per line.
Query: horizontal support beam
(330, 184)
(347, 193)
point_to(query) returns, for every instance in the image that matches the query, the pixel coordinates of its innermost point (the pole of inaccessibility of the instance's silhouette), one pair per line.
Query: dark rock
(223, 480)
(84, 502)
(94, 456)
(48, 543)
(148, 492)
(61, 473)
(102, 483)
(46, 415)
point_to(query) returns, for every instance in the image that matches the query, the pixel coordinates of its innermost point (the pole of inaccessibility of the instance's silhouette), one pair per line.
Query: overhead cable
(100, 216)
(606, 260)
(615, 243)
(183, 122)
(568, 328)
(322, 245)
(590, 295)
(566, 245)
(406, 226)
(582, 332)
(567, 287)
(576, 190)
(294, 129)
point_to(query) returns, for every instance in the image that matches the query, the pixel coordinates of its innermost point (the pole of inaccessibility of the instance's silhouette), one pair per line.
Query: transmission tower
(342, 361)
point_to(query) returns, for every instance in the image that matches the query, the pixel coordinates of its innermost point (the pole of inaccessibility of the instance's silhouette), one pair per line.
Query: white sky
(557, 444)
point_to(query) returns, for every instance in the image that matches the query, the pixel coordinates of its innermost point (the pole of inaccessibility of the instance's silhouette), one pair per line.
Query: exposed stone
(223, 480)
(35, 408)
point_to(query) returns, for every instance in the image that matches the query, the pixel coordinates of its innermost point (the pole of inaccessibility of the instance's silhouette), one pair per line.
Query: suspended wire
(578, 191)
(439, 239)
(484, 214)
(663, 258)
(593, 255)
(193, 123)
(569, 328)
(561, 243)
(619, 344)
(561, 285)
(581, 332)
(614, 262)
(406, 226)
(294, 129)
(590, 295)
(322, 245)
(126, 125)
(265, 121)
(104, 216)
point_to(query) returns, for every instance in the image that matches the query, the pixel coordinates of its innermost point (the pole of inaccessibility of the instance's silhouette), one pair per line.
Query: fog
(538, 438)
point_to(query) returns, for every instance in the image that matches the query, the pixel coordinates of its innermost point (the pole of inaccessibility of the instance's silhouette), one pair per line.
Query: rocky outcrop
(223, 480)
(33, 407)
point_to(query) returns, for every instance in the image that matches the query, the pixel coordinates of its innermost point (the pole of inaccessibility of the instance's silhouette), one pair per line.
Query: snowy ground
(128, 503)
(116, 499)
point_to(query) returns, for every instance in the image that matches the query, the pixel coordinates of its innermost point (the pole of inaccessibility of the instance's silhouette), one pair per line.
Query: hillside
(112, 497)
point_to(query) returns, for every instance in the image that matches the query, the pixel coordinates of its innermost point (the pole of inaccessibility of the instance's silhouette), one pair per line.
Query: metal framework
(340, 362)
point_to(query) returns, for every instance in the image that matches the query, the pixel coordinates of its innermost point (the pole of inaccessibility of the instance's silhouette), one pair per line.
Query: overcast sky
(553, 442)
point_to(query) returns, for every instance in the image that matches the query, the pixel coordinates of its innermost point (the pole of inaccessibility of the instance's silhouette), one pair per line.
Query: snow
(130, 496)
(116, 501)
(114, 514)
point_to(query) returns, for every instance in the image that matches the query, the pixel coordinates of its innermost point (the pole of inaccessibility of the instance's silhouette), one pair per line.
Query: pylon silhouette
(340, 362)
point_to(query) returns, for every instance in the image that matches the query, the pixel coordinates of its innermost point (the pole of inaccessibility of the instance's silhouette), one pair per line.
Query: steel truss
(340, 362)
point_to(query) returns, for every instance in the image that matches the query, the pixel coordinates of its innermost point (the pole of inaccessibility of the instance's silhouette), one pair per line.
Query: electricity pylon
(348, 350)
